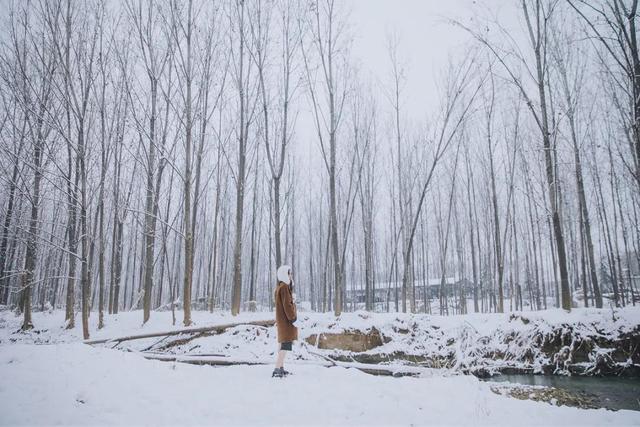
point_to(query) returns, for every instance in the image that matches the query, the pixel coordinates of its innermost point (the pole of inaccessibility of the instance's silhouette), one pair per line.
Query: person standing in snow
(286, 315)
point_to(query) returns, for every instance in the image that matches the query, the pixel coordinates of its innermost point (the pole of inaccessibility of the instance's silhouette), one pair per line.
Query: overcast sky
(427, 40)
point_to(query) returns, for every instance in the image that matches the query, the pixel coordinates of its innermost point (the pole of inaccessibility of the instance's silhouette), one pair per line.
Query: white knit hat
(283, 274)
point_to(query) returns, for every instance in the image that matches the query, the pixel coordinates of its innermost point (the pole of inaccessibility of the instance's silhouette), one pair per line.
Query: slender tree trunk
(188, 220)
(236, 297)
(471, 237)
(552, 182)
(149, 220)
(32, 243)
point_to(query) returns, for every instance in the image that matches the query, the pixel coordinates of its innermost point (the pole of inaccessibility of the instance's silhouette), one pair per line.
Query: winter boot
(278, 373)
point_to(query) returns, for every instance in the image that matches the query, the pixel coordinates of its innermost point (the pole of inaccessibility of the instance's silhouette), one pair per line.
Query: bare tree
(461, 90)
(613, 24)
(145, 17)
(328, 38)
(571, 90)
(35, 66)
(243, 80)
(18, 124)
(278, 128)
(537, 17)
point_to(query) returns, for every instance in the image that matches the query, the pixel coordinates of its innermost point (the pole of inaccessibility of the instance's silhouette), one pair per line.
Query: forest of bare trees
(170, 155)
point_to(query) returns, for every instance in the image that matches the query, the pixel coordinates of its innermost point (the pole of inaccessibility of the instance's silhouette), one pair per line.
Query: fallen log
(394, 371)
(214, 328)
(202, 360)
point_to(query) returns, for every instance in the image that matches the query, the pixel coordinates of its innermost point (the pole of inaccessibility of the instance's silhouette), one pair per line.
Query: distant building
(382, 289)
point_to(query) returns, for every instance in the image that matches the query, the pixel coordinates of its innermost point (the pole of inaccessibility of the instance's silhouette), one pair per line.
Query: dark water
(610, 392)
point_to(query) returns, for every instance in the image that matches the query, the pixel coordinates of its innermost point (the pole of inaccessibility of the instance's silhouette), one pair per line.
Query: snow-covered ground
(80, 385)
(552, 341)
(63, 381)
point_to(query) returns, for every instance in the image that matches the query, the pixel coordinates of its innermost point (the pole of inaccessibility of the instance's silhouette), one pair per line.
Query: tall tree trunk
(149, 219)
(252, 260)
(552, 182)
(188, 220)
(586, 223)
(474, 268)
(84, 230)
(236, 297)
(32, 242)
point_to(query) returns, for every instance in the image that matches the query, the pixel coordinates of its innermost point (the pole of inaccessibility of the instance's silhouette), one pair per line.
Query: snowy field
(66, 382)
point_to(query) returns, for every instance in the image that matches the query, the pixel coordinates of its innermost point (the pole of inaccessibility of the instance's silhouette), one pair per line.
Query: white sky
(427, 40)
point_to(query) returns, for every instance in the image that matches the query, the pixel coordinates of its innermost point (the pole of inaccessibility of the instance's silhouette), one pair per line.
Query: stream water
(610, 392)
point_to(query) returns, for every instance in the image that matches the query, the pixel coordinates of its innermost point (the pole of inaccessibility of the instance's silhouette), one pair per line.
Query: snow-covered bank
(76, 384)
(584, 341)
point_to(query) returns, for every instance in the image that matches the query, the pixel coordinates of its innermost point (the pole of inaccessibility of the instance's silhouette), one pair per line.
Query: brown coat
(286, 314)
